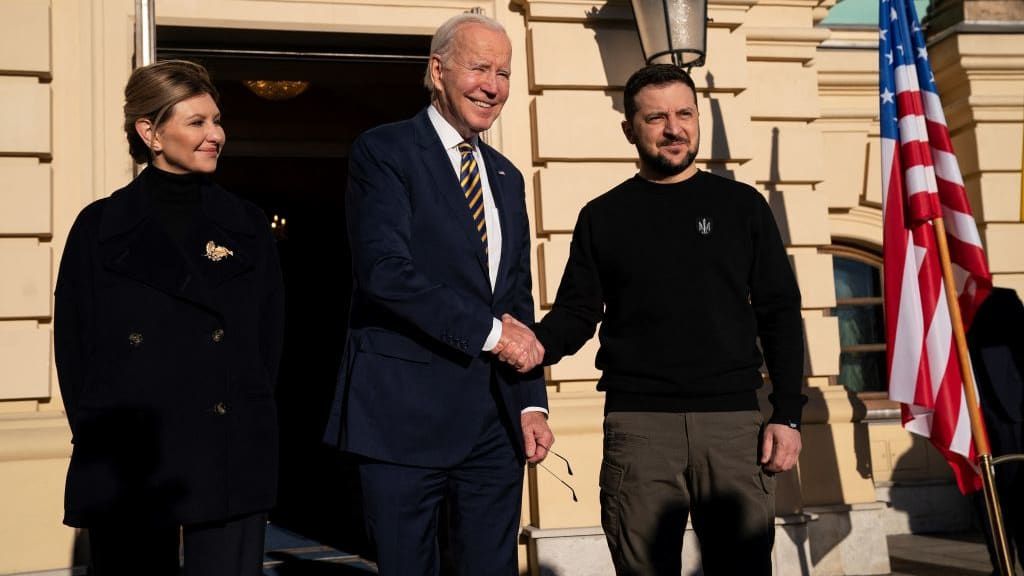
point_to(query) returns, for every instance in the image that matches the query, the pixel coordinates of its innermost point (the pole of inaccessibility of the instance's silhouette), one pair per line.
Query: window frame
(877, 398)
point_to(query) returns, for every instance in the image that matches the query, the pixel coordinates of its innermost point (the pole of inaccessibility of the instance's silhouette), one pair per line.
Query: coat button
(135, 339)
(217, 335)
(220, 409)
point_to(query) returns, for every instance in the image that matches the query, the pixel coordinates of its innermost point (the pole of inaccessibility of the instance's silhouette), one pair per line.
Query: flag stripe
(961, 226)
(933, 110)
(909, 331)
(916, 180)
(946, 167)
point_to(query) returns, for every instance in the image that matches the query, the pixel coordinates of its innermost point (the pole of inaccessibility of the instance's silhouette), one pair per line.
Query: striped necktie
(473, 188)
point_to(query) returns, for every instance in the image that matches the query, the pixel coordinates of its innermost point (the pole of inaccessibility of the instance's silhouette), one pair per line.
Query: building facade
(789, 104)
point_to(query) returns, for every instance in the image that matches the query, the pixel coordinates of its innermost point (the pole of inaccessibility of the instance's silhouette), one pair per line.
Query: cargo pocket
(610, 483)
(622, 446)
(766, 481)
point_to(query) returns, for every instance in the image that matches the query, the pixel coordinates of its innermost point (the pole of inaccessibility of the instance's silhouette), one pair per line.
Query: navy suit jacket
(414, 386)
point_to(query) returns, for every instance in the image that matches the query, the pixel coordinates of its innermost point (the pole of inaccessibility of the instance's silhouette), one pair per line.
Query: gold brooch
(217, 253)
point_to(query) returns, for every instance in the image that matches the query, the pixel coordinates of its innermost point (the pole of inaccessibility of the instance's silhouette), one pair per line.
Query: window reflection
(861, 322)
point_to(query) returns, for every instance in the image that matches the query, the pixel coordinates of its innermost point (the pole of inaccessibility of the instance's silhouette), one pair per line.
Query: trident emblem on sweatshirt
(704, 226)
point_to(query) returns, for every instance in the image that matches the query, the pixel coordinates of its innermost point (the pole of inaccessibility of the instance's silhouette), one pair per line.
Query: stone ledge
(582, 551)
(79, 571)
(817, 511)
(848, 539)
(34, 437)
(533, 533)
(954, 14)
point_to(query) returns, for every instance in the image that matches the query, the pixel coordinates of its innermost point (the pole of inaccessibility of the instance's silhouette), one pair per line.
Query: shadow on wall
(720, 152)
(922, 502)
(798, 541)
(861, 437)
(821, 475)
(619, 45)
(923, 497)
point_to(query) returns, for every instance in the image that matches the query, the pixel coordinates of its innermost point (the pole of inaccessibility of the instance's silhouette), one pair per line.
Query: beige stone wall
(33, 437)
(981, 80)
(25, 225)
(578, 153)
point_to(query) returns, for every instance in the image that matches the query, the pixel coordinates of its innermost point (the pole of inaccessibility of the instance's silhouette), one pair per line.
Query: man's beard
(663, 166)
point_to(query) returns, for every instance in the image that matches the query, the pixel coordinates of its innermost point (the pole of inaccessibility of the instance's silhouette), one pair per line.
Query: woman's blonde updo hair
(152, 92)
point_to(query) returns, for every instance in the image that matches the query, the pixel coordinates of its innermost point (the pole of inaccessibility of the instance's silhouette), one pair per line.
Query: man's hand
(518, 346)
(780, 447)
(537, 436)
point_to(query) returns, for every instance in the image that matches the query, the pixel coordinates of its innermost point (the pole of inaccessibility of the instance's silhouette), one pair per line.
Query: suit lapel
(447, 183)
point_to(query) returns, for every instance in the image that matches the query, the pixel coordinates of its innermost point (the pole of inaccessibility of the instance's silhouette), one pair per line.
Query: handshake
(518, 346)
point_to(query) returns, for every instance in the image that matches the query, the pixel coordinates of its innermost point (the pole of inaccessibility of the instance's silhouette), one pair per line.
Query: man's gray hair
(444, 38)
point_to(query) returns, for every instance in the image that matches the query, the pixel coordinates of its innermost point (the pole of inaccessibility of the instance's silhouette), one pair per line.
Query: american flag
(921, 181)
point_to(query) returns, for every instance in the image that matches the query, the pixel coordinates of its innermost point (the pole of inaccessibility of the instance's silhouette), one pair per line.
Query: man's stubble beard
(663, 167)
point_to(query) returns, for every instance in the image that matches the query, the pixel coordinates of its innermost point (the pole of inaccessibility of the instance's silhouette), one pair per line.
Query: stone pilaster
(977, 52)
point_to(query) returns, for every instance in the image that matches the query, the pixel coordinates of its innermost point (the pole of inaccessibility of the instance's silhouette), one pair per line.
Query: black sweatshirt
(684, 278)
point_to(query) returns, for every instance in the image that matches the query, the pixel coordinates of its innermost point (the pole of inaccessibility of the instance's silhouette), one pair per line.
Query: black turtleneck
(176, 199)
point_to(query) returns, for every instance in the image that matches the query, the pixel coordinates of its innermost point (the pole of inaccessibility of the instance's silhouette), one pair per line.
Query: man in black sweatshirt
(685, 271)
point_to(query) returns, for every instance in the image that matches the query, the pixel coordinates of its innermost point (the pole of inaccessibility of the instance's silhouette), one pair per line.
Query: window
(858, 281)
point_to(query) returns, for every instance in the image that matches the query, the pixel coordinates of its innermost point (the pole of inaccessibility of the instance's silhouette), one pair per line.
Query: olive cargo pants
(660, 468)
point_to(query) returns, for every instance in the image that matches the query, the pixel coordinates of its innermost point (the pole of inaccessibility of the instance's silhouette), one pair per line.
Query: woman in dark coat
(167, 325)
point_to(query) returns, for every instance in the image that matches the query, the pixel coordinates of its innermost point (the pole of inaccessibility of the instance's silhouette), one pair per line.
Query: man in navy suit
(440, 251)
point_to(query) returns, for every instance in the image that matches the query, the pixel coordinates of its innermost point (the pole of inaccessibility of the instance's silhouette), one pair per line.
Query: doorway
(287, 151)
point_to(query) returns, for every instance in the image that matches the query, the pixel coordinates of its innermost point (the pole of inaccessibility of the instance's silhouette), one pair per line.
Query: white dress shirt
(451, 139)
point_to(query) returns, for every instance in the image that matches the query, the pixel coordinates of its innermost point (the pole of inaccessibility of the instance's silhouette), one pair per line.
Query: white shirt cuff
(494, 336)
(533, 409)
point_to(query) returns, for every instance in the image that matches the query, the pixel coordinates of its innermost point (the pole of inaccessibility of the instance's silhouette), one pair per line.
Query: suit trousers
(230, 548)
(661, 468)
(403, 508)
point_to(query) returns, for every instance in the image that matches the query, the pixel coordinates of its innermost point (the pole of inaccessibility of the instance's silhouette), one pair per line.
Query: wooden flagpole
(978, 433)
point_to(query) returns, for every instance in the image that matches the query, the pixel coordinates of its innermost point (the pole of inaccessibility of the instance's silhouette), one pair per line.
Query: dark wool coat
(167, 361)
